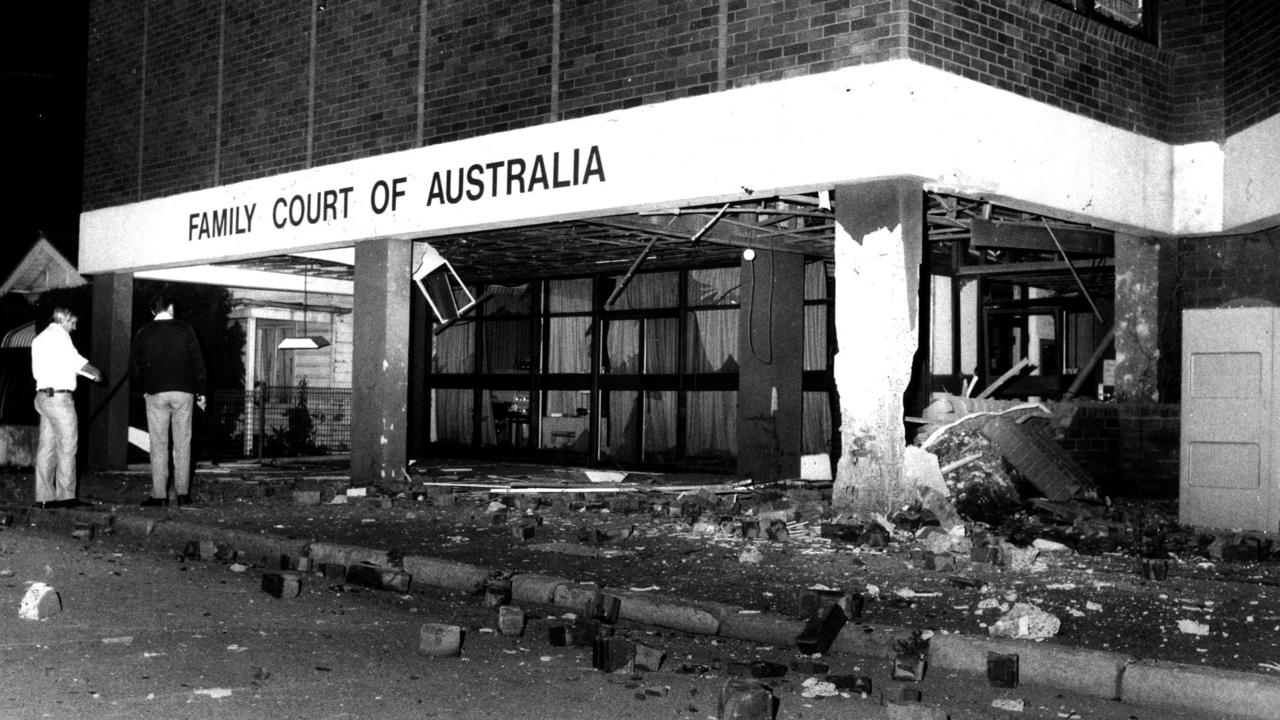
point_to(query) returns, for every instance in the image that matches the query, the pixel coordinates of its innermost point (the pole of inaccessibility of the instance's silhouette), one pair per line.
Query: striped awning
(20, 336)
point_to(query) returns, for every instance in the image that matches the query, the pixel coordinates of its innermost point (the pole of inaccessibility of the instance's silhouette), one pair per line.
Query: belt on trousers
(50, 391)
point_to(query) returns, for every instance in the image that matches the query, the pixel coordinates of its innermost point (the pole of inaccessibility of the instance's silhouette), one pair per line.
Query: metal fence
(273, 421)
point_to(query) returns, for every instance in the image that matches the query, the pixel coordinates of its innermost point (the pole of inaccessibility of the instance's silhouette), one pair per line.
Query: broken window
(1136, 17)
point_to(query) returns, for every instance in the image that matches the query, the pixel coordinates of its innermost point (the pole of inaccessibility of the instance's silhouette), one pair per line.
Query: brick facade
(228, 91)
(1195, 29)
(1252, 59)
(488, 66)
(1130, 449)
(1215, 270)
(1049, 54)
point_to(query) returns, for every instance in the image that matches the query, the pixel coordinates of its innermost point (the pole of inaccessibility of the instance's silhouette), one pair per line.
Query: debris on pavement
(39, 603)
(1025, 621)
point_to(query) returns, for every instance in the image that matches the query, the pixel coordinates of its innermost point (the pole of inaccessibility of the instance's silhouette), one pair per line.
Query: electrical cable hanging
(305, 341)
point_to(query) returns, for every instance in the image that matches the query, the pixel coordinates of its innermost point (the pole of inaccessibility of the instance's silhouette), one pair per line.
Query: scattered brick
(511, 621)
(610, 654)
(810, 667)
(908, 668)
(851, 683)
(378, 577)
(745, 700)
(940, 561)
(757, 669)
(497, 592)
(605, 607)
(306, 497)
(648, 659)
(334, 571)
(814, 601)
(819, 633)
(1002, 669)
(438, 640)
(282, 585)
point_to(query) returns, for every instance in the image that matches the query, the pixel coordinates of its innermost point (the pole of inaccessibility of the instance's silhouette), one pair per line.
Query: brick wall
(177, 151)
(264, 111)
(1252, 57)
(112, 99)
(1131, 449)
(1215, 270)
(774, 40)
(487, 66)
(1049, 54)
(618, 55)
(366, 79)
(1193, 31)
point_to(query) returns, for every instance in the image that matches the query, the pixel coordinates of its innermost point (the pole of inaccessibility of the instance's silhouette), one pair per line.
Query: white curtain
(713, 424)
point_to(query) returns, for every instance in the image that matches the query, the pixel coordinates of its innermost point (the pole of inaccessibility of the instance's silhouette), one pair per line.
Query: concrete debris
(1009, 704)
(1025, 621)
(215, 693)
(815, 688)
(1191, 627)
(41, 602)
(750, 555)
(1018, 559)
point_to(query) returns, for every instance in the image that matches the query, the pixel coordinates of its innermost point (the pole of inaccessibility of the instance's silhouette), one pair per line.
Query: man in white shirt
(55, 363)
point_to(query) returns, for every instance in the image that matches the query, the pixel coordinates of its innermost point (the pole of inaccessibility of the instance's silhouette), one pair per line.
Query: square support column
(770, 331)
(1137, 318)
(380, 362)
(879, 241)
(108, 419)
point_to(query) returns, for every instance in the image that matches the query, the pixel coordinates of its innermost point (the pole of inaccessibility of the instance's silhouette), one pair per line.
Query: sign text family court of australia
(477, 181)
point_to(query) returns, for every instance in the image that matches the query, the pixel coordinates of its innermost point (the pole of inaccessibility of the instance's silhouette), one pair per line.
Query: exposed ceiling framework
(967, 238)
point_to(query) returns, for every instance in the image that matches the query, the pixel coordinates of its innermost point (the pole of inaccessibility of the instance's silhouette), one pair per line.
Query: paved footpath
(144, 633)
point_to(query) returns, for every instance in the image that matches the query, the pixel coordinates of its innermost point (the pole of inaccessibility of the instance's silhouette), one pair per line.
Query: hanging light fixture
(305, 341)
(445, 292)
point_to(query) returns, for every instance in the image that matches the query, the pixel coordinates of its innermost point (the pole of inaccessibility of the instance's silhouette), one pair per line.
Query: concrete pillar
(770, 366)
(421, 340)
(1137, 319)
(108, 419)
(878, 245)
(380, 362)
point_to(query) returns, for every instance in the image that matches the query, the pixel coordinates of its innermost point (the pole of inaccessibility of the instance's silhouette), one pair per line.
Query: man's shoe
(75, 503)
(184, 500)
(155, 502)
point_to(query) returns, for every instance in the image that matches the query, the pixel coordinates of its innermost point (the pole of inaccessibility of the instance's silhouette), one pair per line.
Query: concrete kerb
(1090, 672)
(1241, 695)
(261, 547)
(331, 553)
(1212, 691)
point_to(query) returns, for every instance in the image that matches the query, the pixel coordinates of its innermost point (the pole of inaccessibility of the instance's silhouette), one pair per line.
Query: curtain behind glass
(454, 350)
(648, 291)
(452, 415)
(714, 433)
(660, 426)
(713, 341)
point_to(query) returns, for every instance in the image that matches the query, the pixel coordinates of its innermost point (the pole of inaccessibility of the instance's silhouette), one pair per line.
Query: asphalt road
(144, 633)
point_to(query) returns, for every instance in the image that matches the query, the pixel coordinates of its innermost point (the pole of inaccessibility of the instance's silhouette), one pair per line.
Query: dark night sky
(42, 69)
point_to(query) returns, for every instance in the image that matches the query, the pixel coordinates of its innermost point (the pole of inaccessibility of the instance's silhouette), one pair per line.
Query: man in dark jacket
(168, 367)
